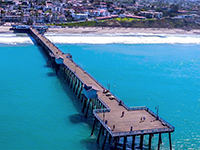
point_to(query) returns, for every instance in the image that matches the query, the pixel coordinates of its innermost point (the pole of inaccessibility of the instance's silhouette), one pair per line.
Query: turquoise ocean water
(39, 112)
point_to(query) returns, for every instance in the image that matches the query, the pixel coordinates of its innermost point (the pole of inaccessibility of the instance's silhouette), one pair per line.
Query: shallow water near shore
(39, 112)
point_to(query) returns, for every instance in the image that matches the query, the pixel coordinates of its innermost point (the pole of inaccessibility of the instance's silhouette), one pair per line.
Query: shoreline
(110, 30)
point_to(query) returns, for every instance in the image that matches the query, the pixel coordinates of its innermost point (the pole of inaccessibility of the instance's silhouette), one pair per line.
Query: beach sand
(110, 30)
(4, 29)
(102, 30)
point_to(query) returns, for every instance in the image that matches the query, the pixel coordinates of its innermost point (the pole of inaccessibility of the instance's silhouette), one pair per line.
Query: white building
(80, 16)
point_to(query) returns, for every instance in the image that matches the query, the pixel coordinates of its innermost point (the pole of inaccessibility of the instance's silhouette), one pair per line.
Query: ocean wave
(14, 40)
(94, 38)
(123, 39)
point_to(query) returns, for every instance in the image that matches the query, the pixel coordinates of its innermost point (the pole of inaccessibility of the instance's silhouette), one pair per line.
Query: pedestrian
(113, 128)
(122, 114)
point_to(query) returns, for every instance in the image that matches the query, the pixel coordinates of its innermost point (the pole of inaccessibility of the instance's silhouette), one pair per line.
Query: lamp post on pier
(75, 69)
(108, 86)
(114, 89)
(157, 108)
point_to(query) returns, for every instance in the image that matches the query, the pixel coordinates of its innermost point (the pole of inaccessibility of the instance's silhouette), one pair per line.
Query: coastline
(5, 29)
(110, 30)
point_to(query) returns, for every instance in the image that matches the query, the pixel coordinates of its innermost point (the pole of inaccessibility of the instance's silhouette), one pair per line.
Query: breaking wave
(10, 38)
(14, 39)
(124, 38)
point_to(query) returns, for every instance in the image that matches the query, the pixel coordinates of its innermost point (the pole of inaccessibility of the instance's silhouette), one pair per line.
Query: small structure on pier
(59, 59)
(25, 28)
(90, 91)
(40, 29)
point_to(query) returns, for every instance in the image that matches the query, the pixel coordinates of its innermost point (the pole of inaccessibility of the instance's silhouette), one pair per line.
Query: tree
(29, 21)
(20, 8)
(22, 14)
(174, 8)
(136, 12)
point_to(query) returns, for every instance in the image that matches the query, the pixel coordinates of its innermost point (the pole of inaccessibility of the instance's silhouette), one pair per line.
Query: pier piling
(150, 138)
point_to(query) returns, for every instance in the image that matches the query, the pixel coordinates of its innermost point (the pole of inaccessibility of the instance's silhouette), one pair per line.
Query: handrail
(100, 120)
(128, 133)
(161, 119)
(139, 132)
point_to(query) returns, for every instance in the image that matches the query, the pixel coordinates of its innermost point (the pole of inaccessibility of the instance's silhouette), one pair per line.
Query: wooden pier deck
(111, 118)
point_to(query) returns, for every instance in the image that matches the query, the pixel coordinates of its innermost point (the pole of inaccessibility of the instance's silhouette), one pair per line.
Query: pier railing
(142, 132)
(100, 120)
(135, 132)
(164, 122)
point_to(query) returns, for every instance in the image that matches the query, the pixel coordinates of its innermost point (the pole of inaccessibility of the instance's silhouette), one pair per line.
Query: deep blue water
(39, 112)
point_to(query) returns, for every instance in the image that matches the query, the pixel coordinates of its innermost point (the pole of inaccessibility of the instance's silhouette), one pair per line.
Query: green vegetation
(80, 24)
(134, 23)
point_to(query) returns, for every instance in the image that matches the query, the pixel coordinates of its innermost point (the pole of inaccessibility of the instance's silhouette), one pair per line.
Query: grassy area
(135, 23)
(131, 19)
(125, 19)
(86, 23)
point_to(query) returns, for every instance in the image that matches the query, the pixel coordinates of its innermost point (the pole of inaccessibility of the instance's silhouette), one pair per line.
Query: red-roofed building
(103, 18)
(182, 11)
(135, 17)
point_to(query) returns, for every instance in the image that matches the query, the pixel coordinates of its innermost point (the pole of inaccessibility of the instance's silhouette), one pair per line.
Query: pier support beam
(78, 84)
(125, 139)
(68, 76)
(133, 142)
(99, 133)
(116, 142)
(69, 80)
(109, 139)
(84, 104)
(79, 95)
(159, 141)
(72, 81)
(93, 126)
(104, 142)
(141, 141)
(87, 108)
(170, 142)
(150, 138)
(75, 84)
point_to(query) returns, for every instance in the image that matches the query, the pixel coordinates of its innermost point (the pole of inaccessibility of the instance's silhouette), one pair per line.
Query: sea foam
(139, 38)
(124, 38)
(15, 39)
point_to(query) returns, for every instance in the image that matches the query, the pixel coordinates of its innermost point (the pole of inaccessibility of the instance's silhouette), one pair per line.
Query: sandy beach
(104, 30)
(4, 29)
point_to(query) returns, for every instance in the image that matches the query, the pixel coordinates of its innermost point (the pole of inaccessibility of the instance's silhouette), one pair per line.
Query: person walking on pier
(122, 114)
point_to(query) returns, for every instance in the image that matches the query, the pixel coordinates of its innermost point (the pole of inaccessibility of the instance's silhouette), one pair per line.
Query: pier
(115, 118)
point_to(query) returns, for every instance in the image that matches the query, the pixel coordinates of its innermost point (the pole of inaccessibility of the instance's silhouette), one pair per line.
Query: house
(151, 14)
(103, 12)
(25, 18)
(62, 18)
(80, 16)
(48, 6)
(158, 15)
(11, 18)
